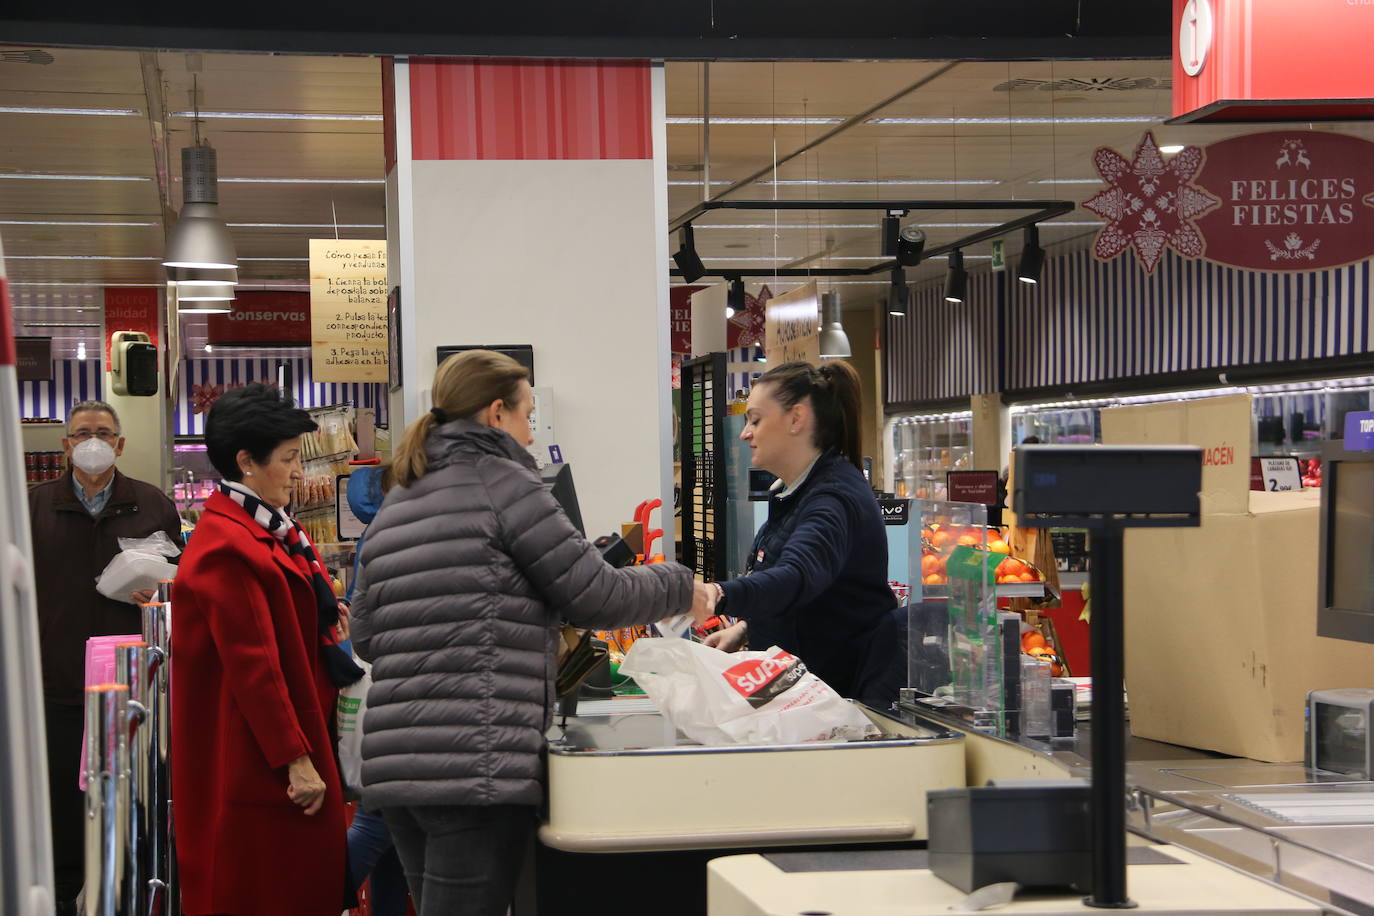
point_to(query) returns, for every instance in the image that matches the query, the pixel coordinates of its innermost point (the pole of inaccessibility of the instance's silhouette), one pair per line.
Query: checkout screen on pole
(1350, 540)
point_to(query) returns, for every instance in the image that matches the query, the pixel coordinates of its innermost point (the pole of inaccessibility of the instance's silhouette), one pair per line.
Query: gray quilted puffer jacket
(465, 576)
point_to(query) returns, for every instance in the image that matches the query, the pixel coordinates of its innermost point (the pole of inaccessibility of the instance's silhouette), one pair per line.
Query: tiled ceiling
(963, 131)
(56, 269)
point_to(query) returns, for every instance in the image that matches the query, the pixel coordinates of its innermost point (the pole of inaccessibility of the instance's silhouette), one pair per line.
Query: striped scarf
(338, 665)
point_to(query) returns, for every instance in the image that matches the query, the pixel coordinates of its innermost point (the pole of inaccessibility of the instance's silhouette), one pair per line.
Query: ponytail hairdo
(464, 384)
(834, 390)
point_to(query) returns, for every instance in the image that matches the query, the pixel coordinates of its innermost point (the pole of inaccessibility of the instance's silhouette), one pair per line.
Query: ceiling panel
(1021, 130)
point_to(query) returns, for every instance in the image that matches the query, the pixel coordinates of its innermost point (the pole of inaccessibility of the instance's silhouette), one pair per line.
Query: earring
(250, 473)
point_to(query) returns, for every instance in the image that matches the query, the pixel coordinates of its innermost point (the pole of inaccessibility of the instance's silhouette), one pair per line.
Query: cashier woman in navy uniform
(816, 578)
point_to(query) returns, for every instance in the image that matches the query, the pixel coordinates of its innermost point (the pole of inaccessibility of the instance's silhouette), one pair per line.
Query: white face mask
(94, 456)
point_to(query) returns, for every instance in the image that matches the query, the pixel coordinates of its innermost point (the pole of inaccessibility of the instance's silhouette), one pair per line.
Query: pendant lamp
(200, 239)
(834, 341)
(202, 276)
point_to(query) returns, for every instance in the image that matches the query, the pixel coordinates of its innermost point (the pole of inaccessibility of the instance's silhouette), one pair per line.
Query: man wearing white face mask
(77, 521)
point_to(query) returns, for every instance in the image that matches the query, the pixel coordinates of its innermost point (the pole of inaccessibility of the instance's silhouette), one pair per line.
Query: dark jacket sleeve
(811, 560)
(360, 615)
(568, 571)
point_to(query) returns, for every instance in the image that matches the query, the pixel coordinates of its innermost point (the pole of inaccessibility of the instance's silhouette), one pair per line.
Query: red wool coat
(249, 695)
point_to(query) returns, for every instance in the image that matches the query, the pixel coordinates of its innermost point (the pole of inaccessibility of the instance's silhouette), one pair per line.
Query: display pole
(1108, 721)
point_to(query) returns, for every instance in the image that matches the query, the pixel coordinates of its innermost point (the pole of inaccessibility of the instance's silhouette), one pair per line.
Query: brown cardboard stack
(1221, 620)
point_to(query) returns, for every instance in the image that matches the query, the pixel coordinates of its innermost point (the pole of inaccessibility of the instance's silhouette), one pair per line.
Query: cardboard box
(1221, 620)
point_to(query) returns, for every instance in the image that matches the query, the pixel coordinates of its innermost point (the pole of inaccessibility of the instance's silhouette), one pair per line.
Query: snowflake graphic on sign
(1150, 204)
(203, 397)
(746, 328)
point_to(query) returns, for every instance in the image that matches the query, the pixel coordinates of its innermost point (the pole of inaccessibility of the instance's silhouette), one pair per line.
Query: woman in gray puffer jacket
(466, 573)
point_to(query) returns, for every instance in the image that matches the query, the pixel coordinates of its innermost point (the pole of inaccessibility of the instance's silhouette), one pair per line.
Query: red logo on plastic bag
(761, 680)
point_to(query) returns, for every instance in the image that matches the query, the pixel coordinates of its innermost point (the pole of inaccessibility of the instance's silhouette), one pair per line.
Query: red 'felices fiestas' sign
(1280, 200)
(263, 317)
(1290, 200)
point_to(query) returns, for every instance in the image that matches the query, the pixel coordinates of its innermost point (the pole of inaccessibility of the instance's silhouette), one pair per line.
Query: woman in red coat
(255, 675)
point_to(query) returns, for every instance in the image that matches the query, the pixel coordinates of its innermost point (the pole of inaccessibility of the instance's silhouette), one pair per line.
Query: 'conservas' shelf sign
(348, 319)
(1273, 201)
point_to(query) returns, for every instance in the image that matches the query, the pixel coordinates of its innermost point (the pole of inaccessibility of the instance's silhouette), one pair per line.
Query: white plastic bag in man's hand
(718, 698)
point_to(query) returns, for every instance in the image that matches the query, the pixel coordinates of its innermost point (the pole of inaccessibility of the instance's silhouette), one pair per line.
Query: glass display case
(924, 448)
(954, 646)
(1069, 426)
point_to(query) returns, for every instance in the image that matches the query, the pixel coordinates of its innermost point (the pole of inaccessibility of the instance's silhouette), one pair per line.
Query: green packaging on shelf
(971, 564)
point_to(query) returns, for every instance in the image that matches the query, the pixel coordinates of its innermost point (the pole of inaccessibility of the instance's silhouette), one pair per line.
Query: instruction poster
(792, 326)
(348, 319)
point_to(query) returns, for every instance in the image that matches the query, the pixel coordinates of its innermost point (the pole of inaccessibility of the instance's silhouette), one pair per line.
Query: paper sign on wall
(348, 320)
(792, 326)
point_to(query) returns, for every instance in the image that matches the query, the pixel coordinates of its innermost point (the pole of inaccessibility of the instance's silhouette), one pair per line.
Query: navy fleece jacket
(817, 580)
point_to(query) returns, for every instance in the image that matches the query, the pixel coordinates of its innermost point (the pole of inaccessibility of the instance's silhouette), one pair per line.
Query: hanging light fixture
(834, 341)
(199, 239)
(911, 242)
(203, 276)
(1032, 257)
(735, 303)
(897, 298)
(224, 292)
(956, 282)
(206, 300)
(686, 257)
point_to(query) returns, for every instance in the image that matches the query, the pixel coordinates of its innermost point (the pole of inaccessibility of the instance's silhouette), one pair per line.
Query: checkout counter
(638, 814)
(636, 811)
(1251, 837)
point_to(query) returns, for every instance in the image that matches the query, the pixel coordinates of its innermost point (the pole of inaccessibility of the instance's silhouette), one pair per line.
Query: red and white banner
(263, 317)
(1273, 201)
(134, 309)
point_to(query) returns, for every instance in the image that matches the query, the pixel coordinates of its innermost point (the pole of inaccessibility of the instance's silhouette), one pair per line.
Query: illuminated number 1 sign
(1194, 35)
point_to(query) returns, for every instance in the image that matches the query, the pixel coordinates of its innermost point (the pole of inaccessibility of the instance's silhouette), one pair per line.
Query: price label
(1275, 474)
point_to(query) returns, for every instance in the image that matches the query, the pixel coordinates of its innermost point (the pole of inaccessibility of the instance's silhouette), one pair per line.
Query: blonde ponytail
(409, 462)
(464, 384)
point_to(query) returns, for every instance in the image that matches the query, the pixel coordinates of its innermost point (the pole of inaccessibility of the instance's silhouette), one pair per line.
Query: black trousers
(66, 803)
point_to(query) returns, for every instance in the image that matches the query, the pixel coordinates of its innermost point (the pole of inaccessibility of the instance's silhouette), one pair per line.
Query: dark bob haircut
(255, 417)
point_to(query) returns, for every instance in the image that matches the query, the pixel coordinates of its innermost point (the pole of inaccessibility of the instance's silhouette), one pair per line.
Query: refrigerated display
(925, 448)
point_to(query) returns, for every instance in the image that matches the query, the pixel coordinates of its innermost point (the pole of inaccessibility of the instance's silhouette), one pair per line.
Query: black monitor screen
(558, 478)
(1350, 539)
(521, 353)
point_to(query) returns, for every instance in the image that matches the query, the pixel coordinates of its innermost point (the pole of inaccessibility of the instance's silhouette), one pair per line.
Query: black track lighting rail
(1039, 210)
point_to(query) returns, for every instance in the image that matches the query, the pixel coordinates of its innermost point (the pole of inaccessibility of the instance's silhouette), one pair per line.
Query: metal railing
(130, 861)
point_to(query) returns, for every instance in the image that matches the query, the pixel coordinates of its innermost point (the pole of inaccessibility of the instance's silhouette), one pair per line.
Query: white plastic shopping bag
(717, 698)
(140, 564)
(352, 706)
